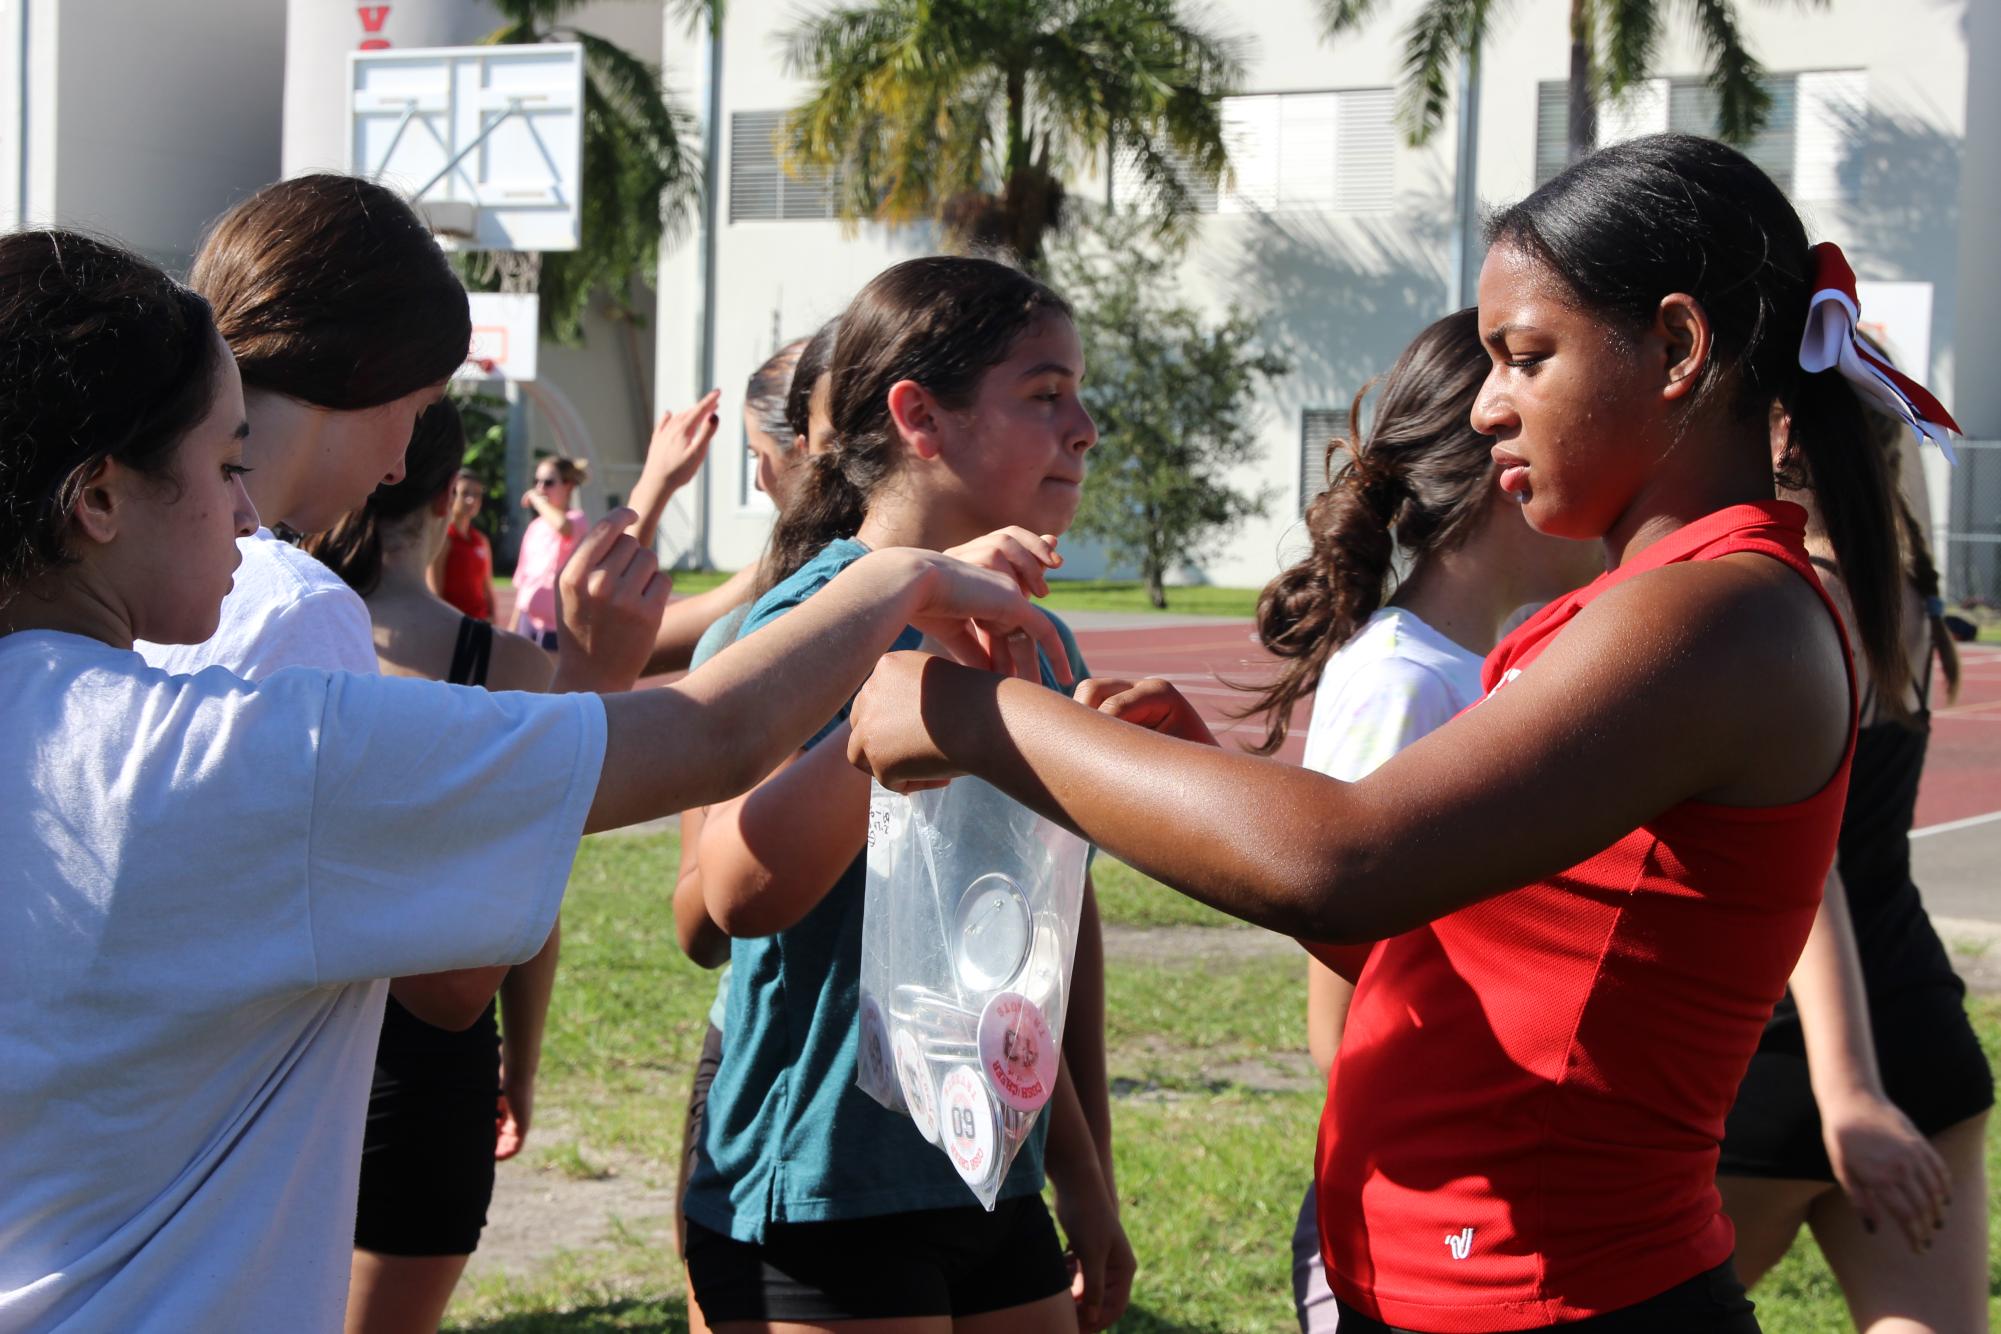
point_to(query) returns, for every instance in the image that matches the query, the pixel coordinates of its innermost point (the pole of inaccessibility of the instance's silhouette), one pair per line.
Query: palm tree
(641, 165)
(971, 112)
(1613, 45)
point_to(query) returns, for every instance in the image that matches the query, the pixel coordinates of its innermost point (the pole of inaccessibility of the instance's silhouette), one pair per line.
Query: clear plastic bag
(969, 932)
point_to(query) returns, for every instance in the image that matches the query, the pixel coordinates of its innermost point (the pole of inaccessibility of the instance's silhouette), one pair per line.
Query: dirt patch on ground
(540, 1210)
(1195, 944)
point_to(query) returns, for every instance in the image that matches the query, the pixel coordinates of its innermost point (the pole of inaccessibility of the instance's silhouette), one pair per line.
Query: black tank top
(473, 653)
(1898, 946)
(413, 1053)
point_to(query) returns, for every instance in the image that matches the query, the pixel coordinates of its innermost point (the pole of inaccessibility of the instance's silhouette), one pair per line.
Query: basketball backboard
(486, 141)
(505, 338)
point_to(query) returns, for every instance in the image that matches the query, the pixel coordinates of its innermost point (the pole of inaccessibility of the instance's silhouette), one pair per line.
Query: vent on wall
(1802, 146)
(761, 190)
(1317, 426)
(1332, 151)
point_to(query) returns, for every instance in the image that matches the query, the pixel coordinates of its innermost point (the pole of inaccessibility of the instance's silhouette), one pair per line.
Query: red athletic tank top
(1523, 1121)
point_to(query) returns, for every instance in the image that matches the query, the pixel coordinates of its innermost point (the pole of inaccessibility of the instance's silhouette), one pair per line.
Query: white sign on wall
(1899, 316)
(504, 336)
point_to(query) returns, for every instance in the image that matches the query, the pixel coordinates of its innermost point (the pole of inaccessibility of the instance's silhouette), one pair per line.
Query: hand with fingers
(1014, 551)
(979, 618)
(974, 616)
(1151, 703)
(1101, 1258)
(681, 441)
(514, 1110)
(609, 600)
(1888, 1169)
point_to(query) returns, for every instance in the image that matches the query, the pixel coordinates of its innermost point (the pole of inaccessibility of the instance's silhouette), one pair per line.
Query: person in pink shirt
(552, 535)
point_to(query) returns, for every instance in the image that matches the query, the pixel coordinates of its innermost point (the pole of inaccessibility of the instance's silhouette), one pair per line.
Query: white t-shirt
(201, 878)
(1396, 680)
(286, 610)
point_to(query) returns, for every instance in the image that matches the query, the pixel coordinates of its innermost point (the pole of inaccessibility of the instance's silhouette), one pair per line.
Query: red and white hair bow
(1831, 343)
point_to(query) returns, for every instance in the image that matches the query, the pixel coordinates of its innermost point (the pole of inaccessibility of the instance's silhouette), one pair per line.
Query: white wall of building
(1340, 291)
(143, 121)
(606, 381)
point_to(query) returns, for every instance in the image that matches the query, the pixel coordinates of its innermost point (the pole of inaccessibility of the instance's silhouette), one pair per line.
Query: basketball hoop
(510, 270)
(486, 142)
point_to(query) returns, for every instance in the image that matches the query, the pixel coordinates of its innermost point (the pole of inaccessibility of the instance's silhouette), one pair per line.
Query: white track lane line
(1952, 826)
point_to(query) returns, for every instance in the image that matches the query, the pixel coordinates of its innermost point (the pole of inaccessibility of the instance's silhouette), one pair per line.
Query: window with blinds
(1317, 426)
(1333, 151)
(1803, 145)
(761, 190)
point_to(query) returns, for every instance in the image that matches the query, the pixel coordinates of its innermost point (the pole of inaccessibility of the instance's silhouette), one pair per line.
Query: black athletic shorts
(427, 1154)
(1933, 1070)
(930, 1262)
(706, 1066)
(426, 1173)
(1713, 1302)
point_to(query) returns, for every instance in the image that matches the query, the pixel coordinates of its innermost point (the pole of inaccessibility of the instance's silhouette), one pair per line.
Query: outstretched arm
(697, 933)
(718, 731)
(1642, 703)
(673, 456)
(682, 624)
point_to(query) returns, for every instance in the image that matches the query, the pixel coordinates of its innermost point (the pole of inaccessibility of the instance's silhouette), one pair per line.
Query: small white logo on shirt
(1506, 677)
(1460, 1244)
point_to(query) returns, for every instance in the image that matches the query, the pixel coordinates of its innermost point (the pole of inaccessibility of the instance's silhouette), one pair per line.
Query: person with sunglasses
(551, 536)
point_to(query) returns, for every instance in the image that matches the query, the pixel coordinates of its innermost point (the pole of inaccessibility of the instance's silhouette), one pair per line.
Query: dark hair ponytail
(943, 322)
(1855, 492)
(1419, 480)
(352, 548)
(1920, 571)
(1668, 213)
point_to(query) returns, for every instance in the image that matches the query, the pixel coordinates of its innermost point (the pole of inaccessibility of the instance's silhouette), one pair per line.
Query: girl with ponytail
(956, 425)
(1869, 1077)
(1572, 908)
(1387, 658)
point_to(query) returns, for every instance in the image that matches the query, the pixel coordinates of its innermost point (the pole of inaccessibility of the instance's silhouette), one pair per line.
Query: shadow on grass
(1139, 1320)
(624, 1316)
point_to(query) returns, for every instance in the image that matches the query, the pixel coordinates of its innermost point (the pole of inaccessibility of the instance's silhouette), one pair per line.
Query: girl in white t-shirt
(1420, 485)
(205, 875)
(346, 322)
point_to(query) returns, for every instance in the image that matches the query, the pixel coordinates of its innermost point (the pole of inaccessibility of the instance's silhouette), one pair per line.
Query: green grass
(689, 582)
(1064, 595)
(1130, 595)
(1215, 1106)
(1127, 898)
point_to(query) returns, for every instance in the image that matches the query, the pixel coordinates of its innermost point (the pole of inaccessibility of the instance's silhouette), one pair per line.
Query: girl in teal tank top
(958, 427)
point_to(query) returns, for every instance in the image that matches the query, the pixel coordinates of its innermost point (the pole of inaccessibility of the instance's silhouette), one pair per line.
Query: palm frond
(544, 15)
(1441, 32)
(1629, 42)
(1339, 16)
(910, 98)
(1140, 75)
(1735, 76)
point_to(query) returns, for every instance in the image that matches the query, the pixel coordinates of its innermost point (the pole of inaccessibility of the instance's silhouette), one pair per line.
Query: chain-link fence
(1973, 525)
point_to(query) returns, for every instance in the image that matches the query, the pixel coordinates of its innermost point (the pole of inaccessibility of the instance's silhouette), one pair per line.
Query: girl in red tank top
(1589, 888)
